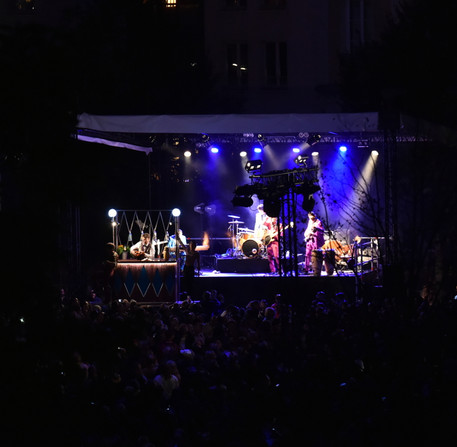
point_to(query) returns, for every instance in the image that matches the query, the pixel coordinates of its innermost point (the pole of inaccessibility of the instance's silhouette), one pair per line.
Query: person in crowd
(314, 238)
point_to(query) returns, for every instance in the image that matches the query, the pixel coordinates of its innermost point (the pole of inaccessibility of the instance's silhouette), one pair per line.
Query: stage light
(214, 149)
(301, 160)
(258, 150)
(272, 208)
(343, 148)
(243, 154)
(176, 212)
(205, 138)
(260, 137)
(315, 154)
(210, 210)
(200, 208)
(313, 139)
(296, 150)
(187, 154)
(242, 201)
(245, 190)
(374, 153)
(253, 165)
(112, 213)
(308, 203)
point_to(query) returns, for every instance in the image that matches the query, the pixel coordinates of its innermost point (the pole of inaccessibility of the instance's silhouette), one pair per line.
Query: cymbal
(235, 222)
(233, 216)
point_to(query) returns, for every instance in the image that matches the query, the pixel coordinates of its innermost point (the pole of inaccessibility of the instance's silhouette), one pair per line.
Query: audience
(332, 371)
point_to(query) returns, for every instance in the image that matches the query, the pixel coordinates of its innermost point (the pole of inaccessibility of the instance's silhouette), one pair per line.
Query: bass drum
(250, 248)
(242, 238)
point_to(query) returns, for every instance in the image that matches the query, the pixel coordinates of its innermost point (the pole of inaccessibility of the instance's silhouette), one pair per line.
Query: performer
(271, 241)
(172, 241)
(314, 237)
(142, 250)
(169, 251)
(259, 226)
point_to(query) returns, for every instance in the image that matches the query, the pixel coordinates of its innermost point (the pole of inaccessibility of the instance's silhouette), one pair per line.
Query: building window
(237, 64)
(276, 64)
(170, 3)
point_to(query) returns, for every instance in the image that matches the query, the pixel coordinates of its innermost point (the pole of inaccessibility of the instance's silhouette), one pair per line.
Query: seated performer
(142, 250)
(314, 237)
(169, 252)
(172, 241)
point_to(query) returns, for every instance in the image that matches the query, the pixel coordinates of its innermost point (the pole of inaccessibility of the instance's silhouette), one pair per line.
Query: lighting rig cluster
(275, 187)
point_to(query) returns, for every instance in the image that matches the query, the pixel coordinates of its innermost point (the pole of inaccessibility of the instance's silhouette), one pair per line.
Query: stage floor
(240, 288)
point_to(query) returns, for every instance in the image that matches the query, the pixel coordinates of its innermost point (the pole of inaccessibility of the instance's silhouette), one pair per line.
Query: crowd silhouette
(324, 371)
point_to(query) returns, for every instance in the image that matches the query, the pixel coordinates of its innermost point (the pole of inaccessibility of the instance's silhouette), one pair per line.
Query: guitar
(140, 255)
(269, 236)
(313, 233)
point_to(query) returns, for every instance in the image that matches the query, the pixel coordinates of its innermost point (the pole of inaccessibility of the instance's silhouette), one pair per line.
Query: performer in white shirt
(259, 226)
(142, 250)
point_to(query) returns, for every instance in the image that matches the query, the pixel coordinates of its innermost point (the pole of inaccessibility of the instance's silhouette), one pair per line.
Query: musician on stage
(314, 237)
(142, 250)
(271, 240)
(259, 226)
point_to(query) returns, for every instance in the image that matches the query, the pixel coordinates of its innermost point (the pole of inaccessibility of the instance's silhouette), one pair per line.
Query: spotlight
(296, 150)
(258, 150)
(200, 208)
(272, 207)
(243, 154)
(245, 190)
(343, 148)
(112, 213)
(187, 154)
(313, 139)
(214, 149)
(242, 201)
(308, 203)
(253, 165)
(301, 160)
(374, 153)
(315, 154)
(210, 210)
(176, 212)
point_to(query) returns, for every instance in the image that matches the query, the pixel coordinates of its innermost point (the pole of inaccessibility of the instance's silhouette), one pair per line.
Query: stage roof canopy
(143, 132)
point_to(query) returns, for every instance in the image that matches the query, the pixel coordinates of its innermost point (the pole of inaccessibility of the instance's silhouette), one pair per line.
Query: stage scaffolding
(129, 225)
(279, 191)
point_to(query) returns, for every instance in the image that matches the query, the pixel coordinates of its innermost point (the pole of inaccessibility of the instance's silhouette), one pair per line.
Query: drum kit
(244, 243)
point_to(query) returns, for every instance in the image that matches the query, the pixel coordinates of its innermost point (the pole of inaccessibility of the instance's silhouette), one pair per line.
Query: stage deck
(240, 288)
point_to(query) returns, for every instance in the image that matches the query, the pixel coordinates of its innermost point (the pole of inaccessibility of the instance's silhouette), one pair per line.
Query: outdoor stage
(239, 280)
